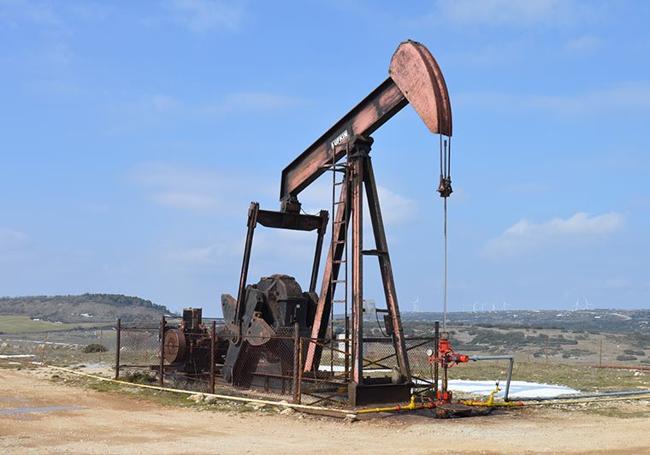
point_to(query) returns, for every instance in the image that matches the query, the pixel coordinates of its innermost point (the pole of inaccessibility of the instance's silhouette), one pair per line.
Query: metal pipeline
(590, 400)
(490, 402)
(510, 358)
(411, 406)
(620, 393)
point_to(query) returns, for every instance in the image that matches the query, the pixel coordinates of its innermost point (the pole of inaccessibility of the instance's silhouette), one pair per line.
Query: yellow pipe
(490, 403)
(411, 406)
(494, 404)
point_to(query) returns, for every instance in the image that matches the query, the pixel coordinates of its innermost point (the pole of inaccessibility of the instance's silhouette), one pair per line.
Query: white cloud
(525, 236)
(186, 200)
(160, 108)
(13, 12)
(11, 239)
(189, 188)
(491, 54)
(249, 102)
(585, 44)
(505, 12)
(634, 96)
(272, 248)
(622, 97)
(207, 256)
(259, 101)
(206, 15)
(161, 102)
(149, 106)
(527, 187)
(395, 208)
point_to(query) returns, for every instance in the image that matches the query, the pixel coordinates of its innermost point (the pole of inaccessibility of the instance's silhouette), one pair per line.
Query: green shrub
(140, 377)
(94, 347)
(625, 357)
(633, 352)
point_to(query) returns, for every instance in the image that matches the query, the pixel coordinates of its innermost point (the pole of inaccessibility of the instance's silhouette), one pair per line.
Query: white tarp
(518, 389)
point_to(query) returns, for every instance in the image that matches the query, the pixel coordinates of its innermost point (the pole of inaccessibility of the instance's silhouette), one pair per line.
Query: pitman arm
(414, 77)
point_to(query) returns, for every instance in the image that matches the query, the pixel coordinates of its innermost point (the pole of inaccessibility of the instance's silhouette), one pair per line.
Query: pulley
(444, 187)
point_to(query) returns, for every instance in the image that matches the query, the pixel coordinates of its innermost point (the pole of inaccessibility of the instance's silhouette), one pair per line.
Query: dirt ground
(40, 416)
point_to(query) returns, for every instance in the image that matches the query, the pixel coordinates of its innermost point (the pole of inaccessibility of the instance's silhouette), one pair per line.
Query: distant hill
(584, 320)
(83, 308)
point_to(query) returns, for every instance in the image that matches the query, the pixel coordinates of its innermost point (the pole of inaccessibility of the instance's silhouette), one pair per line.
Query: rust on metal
(419, 78)
(175, 346)
(161, 373)
(356, 179)
(118, 339)
(213, 354)
(415, 78)
(386, 270)
(274, 332)
(331, 272)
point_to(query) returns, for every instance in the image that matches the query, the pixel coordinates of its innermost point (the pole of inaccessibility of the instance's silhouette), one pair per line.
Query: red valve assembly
(443, 357)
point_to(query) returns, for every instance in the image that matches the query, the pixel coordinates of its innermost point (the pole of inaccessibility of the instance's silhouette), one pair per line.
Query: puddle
(37, 410)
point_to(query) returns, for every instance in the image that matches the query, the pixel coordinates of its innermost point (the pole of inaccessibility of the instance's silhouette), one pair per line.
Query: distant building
(369, 310)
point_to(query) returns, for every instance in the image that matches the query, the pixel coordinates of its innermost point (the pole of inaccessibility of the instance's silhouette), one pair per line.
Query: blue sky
(134, 135)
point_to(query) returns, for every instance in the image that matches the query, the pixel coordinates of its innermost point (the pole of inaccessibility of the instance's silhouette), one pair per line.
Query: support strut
(360, 176)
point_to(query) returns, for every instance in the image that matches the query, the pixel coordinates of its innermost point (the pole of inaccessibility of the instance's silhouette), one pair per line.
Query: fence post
(118, 345)
(436, 353)
(44, 350)
(347, 349)
(296, 361)
(213, 340)
(300, 367)
(162, 351)
(600, 353)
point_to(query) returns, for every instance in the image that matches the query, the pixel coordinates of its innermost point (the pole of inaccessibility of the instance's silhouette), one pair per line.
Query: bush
(140, 377)
(633, 352)
(94, 347)
(625, 358)
(576, 353)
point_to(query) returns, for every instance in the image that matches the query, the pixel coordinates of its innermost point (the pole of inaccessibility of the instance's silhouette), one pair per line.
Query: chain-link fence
(137, 347)
(273, 365)
(81, 346)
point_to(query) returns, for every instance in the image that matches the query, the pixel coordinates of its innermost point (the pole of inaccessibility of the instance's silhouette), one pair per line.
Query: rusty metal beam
(324, 216)
(243, 276)
(415, 78)
(386, 269)
(292, 221)
(356, 178)
(377, 108)
(331, 272)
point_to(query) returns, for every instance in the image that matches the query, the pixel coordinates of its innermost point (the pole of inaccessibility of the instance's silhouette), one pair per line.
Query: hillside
(599, 320)
(85, 308)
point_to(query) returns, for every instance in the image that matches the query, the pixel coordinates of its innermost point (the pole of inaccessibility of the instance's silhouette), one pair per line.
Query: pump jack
(415, 78)
(277, 305)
